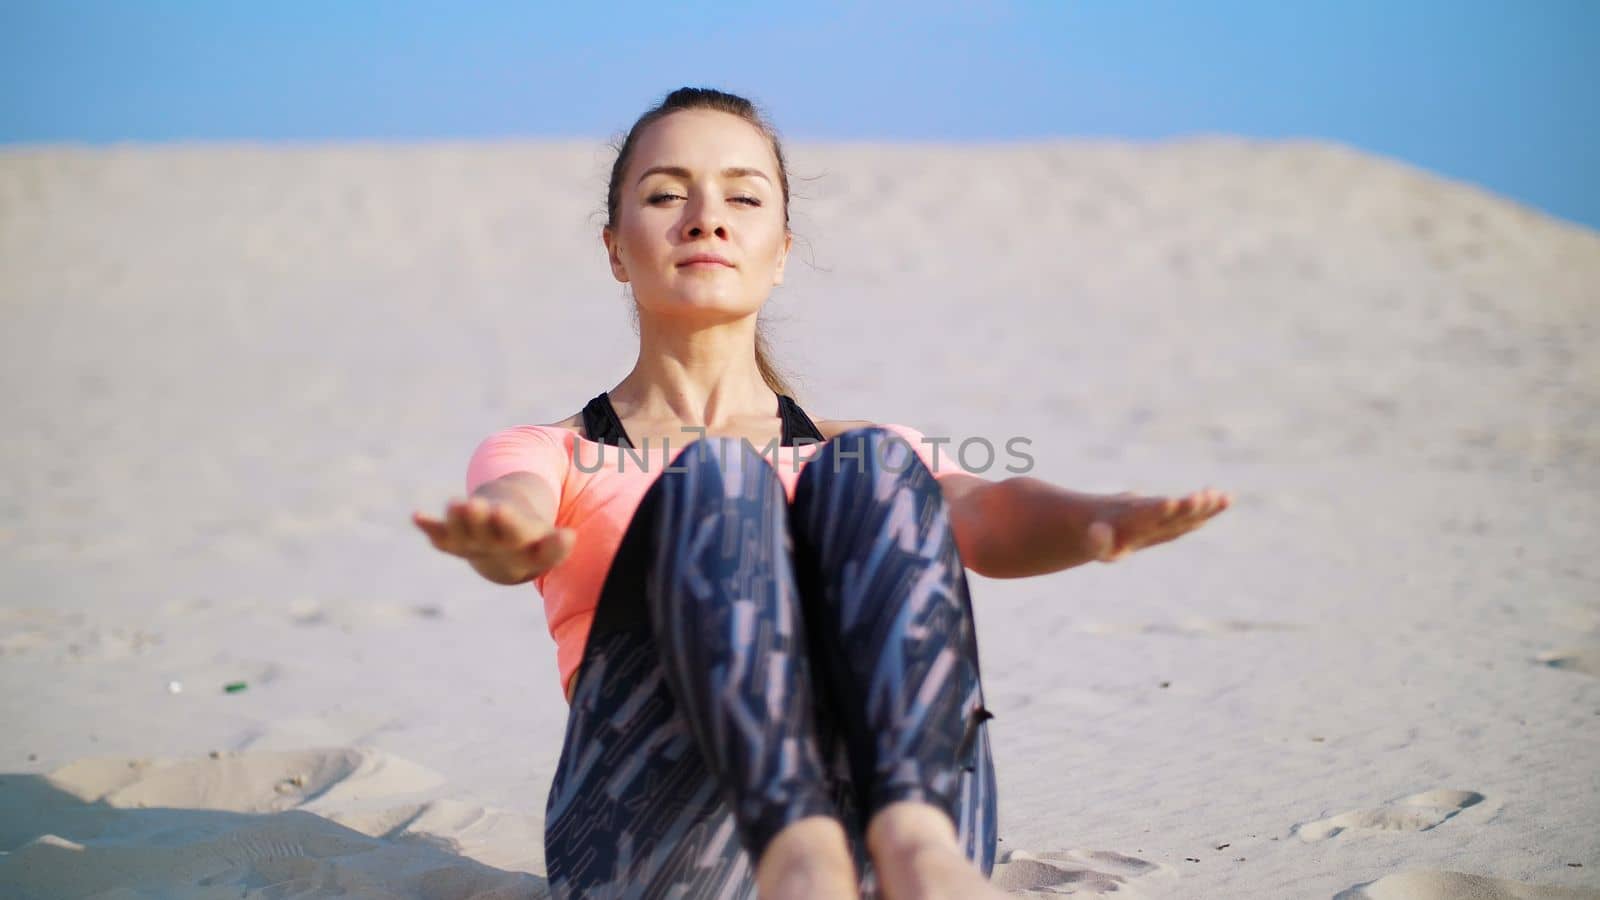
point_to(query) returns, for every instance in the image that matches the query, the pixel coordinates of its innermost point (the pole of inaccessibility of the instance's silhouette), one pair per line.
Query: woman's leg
(893, 632)
(632, 803)
(690, 742)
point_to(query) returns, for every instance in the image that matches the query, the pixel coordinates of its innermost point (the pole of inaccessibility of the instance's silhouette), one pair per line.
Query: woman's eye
(664, 196)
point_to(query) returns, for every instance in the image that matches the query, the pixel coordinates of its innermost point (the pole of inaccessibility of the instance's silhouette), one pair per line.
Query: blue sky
(1501, 93)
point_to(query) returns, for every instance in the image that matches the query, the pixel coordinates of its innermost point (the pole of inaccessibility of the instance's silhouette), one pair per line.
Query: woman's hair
(707, 98)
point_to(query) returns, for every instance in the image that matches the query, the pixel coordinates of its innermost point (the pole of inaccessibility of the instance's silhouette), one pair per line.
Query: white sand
(230, 374)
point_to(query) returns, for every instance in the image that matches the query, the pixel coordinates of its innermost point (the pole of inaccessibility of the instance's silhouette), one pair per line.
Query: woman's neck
(706, 377)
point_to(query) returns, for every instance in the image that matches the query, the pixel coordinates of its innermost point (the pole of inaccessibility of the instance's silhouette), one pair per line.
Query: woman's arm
(1024, 526)
(505, 530)
(526, 492)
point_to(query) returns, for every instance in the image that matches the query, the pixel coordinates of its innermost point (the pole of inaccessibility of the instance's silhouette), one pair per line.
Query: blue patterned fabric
(753, 662)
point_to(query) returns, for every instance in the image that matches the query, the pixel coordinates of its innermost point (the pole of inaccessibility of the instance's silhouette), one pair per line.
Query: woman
(769, 653)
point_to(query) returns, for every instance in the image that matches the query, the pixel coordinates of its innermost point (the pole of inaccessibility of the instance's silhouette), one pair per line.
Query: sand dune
(231, 372)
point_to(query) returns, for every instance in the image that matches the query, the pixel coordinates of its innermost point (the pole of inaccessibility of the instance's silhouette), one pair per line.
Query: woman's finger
(433, 528)
(1199, 505)
(1178, 529)
(496, 524)
(1101, 538)
(1194, 508)
(444, 544)
(1162, 533)
(478, 510)
(468, 524)
(456, 521)
(1160, 538)
(439, 541)
(1208, 507)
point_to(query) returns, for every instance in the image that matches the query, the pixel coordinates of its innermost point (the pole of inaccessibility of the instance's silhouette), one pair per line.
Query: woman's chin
(704, 302)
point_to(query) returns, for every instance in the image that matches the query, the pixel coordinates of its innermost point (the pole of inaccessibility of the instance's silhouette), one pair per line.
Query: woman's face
(700, 221)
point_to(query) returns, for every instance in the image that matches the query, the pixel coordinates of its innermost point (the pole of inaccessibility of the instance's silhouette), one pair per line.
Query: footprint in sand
(1418, 812)
(353, 728)
(1434, 884)
(1087, 872)
(1584, 659)
(256, 782)
(71, 636)
(311, 612)
(222, 670)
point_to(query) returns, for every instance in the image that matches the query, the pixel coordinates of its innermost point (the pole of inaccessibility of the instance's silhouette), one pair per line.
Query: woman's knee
(868, 450)
(719, 475)
(726, 460)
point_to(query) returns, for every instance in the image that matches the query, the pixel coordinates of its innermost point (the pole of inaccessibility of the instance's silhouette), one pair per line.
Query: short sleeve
(938, 456)
(526, 448)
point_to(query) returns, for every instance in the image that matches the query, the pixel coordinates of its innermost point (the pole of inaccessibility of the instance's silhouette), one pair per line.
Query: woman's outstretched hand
(503, 544)
(1127, 522)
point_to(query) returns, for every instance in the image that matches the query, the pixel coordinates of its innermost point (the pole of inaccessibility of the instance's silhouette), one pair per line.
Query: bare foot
(1127, 522)
(808, 858)
(916, 856)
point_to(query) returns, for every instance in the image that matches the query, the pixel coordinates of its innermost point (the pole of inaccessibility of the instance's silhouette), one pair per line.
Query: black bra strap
(796, 424)
(601, 425)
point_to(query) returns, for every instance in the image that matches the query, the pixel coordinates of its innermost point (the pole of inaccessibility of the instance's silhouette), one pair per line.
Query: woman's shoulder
(572, 423)
(554, 435)
(544, 450)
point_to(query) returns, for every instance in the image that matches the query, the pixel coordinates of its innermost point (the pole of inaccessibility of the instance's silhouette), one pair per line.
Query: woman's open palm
(1127, 522)
(498, 537)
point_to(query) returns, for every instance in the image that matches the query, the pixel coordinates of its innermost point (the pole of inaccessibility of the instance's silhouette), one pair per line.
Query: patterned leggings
(753, 662)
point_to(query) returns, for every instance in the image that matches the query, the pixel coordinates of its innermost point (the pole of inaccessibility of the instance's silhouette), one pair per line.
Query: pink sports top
(600, 484)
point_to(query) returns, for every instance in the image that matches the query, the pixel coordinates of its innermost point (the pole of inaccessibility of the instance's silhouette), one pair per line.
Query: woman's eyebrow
(680, 172)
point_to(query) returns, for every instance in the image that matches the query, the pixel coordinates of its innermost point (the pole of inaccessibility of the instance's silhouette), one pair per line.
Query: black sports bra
(601, 424)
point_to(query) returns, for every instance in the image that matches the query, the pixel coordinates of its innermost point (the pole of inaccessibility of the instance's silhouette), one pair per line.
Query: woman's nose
(701, 219)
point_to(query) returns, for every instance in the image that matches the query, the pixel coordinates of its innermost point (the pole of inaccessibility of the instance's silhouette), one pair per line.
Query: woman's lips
(698, 262)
